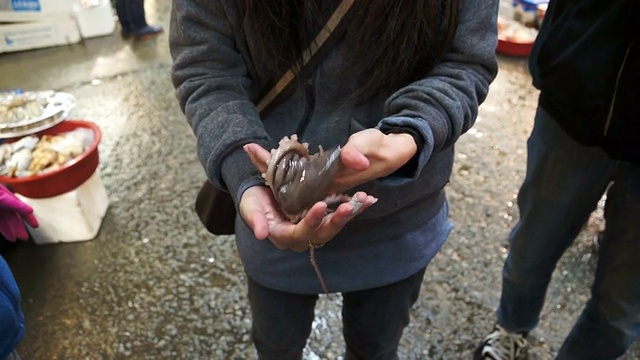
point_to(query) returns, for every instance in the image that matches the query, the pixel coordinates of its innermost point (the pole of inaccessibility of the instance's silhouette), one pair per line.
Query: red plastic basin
(66, 178)
(514, 48)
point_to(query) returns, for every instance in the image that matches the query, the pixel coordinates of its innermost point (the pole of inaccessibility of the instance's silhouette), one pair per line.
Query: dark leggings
(373, 320)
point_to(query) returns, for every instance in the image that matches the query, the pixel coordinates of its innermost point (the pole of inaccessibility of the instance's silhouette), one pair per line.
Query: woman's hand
(13, 214)
(258, 156)
(369, 154)
(260, 211)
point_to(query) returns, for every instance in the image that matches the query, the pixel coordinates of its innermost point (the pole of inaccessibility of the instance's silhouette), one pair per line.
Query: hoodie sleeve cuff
(421, 132)
(239, 174)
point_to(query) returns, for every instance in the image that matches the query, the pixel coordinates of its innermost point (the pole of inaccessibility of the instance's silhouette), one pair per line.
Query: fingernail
(247, 149)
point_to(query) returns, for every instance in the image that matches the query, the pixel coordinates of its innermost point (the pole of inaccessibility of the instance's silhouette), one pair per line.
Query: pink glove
(12, 213)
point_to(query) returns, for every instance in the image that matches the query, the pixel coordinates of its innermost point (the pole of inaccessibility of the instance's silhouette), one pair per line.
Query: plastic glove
(12, 214)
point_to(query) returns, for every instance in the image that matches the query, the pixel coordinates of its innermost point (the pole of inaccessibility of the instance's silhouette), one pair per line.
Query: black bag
(216, 208)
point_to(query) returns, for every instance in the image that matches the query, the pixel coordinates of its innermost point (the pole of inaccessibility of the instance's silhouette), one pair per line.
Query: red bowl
(514, 48)
(66, 178)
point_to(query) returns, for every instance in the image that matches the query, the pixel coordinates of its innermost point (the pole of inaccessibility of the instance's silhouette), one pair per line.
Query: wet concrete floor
(155, 285)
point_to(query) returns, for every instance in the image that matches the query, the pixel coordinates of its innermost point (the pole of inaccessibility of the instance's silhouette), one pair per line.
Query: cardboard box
(73, 216)
(35, 35)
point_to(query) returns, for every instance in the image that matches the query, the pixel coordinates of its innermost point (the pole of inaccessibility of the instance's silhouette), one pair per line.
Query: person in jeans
(13, 214)
(395, 91)
(133, 21)
(585, 142)
(11, 317)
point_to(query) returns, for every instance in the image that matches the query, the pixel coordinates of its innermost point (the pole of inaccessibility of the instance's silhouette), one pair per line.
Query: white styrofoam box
(95, 18)
(35, 35)
(33, 10)
(73, 216)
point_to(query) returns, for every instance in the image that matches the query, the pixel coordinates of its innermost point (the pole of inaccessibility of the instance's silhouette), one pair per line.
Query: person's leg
(374, 319)
(611, 320)
(133, 20)
(281, 322)
(136, 13)
(141, 30)
(563, 183)
(124, 18)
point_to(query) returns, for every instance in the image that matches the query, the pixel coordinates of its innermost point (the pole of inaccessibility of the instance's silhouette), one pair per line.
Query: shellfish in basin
(298, 180)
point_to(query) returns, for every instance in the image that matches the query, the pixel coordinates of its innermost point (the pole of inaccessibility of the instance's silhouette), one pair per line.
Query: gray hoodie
(217, 85)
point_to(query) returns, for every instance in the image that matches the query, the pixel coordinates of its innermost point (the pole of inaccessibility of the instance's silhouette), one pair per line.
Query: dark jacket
(217, 82)
(11, 317)
(586, 62)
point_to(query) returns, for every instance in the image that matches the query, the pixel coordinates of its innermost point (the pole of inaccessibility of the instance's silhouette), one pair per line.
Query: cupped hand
(13, 214)
(370, 154)
(260, 211)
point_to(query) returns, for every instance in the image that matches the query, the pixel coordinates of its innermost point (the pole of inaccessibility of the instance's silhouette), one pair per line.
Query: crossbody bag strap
(310, 57)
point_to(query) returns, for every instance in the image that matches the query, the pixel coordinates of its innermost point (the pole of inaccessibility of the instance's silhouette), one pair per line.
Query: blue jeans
(563, 184)
(373, 320)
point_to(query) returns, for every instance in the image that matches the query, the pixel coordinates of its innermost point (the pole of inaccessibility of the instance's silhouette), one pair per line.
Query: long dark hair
(395, 41)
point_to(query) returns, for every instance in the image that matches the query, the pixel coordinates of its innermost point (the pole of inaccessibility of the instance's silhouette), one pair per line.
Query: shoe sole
(147, 36)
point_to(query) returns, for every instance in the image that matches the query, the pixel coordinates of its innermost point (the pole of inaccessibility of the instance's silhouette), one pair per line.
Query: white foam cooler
(34, 10)
(38, 34)
(94, 18)
(73, 216)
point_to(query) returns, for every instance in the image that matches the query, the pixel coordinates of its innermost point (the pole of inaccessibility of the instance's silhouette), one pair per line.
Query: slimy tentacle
(299, 180)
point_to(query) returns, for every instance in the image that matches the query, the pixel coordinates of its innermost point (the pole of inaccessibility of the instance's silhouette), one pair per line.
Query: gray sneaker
(501, 345)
